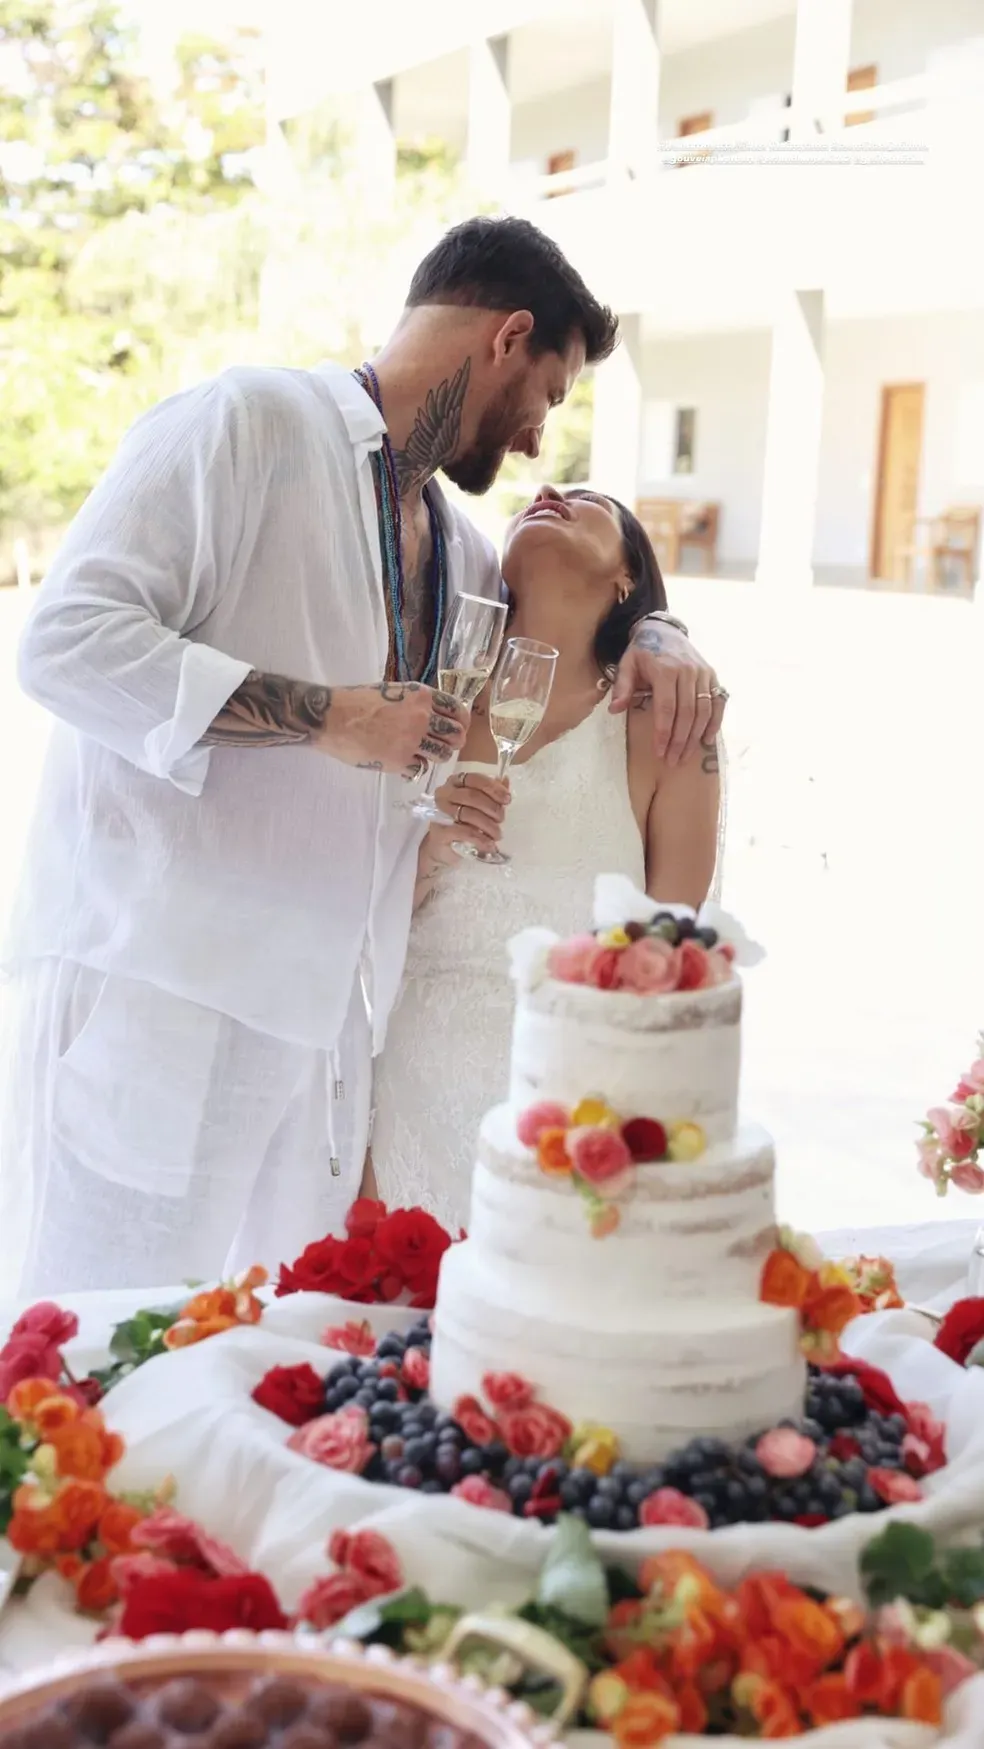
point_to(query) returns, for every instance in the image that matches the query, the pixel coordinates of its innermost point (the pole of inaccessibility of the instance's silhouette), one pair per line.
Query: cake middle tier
(683, 1228)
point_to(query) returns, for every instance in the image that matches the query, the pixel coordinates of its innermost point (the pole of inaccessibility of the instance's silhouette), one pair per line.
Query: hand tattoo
(710, 764)
(436, 749)
(435, 433)
(442, 725)
(269, 710)
(370, 765)
(648, 636)
(395, 691)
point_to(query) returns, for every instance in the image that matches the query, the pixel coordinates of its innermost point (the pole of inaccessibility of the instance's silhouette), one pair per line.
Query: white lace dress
(446, 1058)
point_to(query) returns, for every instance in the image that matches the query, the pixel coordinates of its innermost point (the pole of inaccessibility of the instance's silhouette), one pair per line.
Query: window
(684, 444)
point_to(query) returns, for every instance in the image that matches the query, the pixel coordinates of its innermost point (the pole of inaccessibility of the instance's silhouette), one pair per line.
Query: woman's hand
(477, 803)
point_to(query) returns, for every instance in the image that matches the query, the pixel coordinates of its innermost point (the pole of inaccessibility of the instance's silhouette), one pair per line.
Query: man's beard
(476, 468)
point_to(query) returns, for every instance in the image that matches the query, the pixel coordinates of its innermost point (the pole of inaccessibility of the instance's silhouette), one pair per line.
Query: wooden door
(694, 124)
(897, 484)
(861, 79)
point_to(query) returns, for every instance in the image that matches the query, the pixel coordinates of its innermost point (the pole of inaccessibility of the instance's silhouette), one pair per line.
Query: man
(239, 637)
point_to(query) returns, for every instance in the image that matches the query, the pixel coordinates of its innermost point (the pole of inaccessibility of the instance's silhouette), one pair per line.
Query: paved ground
(855, 853)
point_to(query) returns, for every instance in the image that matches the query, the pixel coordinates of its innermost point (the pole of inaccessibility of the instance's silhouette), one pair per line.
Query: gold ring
(457, 813)
(705, 695)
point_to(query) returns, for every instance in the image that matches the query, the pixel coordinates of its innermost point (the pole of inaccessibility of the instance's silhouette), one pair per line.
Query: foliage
(904, 1561)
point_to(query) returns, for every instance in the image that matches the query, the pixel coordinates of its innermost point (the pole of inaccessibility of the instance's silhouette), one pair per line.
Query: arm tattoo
(269, 711)
(435, 432)
(710, 764)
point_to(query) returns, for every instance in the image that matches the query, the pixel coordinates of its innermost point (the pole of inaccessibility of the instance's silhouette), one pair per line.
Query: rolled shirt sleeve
(145, 561)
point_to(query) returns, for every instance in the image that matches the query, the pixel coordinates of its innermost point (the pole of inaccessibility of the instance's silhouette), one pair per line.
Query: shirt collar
(363, 420)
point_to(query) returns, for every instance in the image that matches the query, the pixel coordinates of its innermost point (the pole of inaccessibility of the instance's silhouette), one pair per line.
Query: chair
(675, 523)
(947, 541)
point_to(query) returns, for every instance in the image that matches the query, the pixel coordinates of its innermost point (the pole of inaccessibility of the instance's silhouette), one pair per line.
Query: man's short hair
(507, 264)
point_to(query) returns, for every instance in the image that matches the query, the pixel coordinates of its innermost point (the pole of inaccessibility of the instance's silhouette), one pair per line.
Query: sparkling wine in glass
(469, 650)
(520, 692)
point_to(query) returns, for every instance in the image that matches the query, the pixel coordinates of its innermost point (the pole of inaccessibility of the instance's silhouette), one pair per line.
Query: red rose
(411, 1244)
(174, 1603)
(479, 1491)
(368, 1556)
(415, 1370)
(47, 1320)
(30, 1356)
(316, 1271)
(473, 1421)
(352, 1338)
(339, 1441)
(695, 967)
(364, 1217)
(506, 1390)
(669, 1506)
(879, 1392)
(357, 1266)
(959, 1333)
(326, 1601)
(295, 1393)
(535, 1431)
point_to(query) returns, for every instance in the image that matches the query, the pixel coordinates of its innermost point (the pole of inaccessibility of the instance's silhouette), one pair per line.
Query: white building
(802, 306)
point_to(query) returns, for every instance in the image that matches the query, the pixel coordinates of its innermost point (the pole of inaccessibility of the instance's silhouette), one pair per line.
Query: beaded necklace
(391, 529)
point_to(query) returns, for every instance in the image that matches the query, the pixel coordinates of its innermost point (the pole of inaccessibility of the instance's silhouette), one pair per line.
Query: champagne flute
(468, 653)
(520, 692)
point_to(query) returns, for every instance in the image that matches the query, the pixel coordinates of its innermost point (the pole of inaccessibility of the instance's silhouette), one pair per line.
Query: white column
(633, 127)
(616, 430)
(367, 116)
(792, 442)
(489, 116)
(821, 62)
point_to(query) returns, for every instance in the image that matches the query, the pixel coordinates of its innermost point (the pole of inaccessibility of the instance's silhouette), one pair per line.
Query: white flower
(747, 951)
(617, 901)
(528, 956)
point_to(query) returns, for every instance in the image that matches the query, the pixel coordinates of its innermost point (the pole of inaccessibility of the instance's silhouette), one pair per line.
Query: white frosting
(682, 1226)
(727, 1366)
(665, 1057)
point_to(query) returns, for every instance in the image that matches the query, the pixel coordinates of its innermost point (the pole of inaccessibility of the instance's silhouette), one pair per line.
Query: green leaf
(388, 1617)
(898, 1563)
(962, 1574)
(139, 1338)
(573, 1578)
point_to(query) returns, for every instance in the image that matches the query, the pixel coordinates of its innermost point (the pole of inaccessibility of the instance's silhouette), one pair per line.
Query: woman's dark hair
(645, 596)
(507, 264)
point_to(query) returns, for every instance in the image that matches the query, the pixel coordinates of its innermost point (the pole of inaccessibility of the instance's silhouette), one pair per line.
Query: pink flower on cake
(415, 1369)
(569, 961)
(352, 1338)
(602, 970)
(649, 967)
(478, 1491)
(784, 1452)
(369, 1557)
(506, 1390)
(695, 971)
(598, 1155)
(473, 1421)
(534, 1432)
(932, 1160)
(546, 1115)
(669, 1506)
(895, 1487)
(339, 1441)
(969, 1084)
(329, 1600)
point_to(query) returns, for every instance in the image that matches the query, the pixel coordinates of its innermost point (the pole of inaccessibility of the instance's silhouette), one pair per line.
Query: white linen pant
(147, 1141)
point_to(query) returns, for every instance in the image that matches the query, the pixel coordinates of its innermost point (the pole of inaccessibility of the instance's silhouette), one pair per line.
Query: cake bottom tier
(727, 1367)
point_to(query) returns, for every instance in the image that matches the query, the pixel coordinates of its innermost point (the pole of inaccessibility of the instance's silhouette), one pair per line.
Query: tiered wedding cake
(620, 1213)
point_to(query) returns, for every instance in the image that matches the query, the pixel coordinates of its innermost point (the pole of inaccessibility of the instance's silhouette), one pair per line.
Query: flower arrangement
(385, 1257)
(175, 1578)
(33, 1350)
(873, 1282)
(597, 1152)
(672, 1649)
(795, 1275)
(953, 1134)
(218, 1309)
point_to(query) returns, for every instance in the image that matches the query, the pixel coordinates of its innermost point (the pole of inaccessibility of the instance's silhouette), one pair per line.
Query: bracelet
(667, 619)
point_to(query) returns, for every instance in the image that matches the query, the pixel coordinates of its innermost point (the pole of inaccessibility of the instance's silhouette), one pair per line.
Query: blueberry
(610, 1488)
(432, 1486)
(756, 1488)
(735, 1496)
(496, 1457)
(868, 1500)
(812, 1429)
(333, 1401)
(448, 1464)
(426, 1412)
(585, 1482)
(411, 1426)
(364, 1397)
(686, 928)
(473, 1463)
(520, 1489)
(345, 1388)
(570, 1494)
(420, 1451)
(707, 1501)
(409, 1476)
(512, 1467)
(626, 1518)
(391, 1347)
(418, 1338)
(624, 1472)
(387, 1391)
(637, 1492)
(369, 1369)
(447, 1427)
(601, 1512)
(707, 936)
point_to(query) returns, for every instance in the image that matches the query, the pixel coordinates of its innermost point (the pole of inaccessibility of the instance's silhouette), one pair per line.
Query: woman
(586, 796)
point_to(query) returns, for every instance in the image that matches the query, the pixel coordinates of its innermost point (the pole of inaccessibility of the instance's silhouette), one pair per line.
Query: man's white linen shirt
(237, 529)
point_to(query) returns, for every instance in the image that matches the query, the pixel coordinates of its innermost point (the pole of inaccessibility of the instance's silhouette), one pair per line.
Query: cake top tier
(638, 946)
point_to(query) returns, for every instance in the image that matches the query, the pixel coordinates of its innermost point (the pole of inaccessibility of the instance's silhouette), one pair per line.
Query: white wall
(562, 121)
(725, 376)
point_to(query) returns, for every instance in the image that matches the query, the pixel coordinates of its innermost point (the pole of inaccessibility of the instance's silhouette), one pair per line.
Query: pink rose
(784, 1452)
(506, 1390)
(534, 1432)
(546, 1115)
(370, 1557)
(598, 1155)
(473, 1421)
(968, 1176)
(338, 1441)
(478, 1491)
(649, 967)
(569, 960)
(894, 1486)
(327, 1601)
(47, 1320)
(415, 1369)
(669, 1506)
(30, 1356)
(602, 970)
(694, 971)
(969, 1084)
(352, 1338)
(175, 1538)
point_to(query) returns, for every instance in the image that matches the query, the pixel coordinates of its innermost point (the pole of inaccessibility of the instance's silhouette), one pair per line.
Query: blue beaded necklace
(391, 530)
